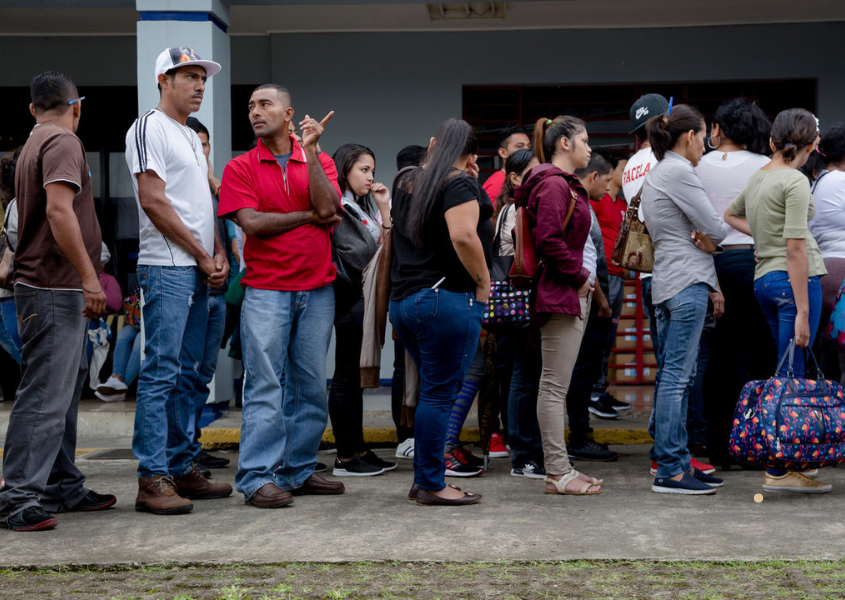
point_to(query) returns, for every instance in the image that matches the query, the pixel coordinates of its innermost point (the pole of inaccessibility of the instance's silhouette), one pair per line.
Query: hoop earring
(710, 143)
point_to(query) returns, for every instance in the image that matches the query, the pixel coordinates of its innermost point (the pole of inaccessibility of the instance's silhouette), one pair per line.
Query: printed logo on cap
(180, 55)
(641, 112)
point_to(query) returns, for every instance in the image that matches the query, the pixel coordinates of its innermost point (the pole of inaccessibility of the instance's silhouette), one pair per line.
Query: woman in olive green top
(774, 209)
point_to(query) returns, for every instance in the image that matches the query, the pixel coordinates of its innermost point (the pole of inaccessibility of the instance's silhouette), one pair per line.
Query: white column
(201, 25)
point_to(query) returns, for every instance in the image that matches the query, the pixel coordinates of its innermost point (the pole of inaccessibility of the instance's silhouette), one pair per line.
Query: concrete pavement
(514, 521)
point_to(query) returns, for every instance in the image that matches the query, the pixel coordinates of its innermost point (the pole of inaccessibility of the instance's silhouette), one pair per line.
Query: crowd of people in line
(747, 257)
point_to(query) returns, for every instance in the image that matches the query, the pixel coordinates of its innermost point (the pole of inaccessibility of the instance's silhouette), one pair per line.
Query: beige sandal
(560, 486)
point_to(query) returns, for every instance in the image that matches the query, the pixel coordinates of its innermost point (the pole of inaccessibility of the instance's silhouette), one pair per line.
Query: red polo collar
(297, 153)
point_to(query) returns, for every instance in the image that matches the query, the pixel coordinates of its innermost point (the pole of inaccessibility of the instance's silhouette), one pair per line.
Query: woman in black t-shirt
(440, 277)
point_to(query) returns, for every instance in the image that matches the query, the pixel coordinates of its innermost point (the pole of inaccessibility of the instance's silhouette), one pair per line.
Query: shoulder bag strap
(816, 183)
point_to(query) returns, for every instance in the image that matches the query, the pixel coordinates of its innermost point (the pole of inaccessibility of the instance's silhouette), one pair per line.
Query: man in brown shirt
(57, 291)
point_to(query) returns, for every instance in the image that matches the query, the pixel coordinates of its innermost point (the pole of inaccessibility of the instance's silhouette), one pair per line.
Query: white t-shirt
(724, 175)
(158, 143)
(828, 226)
(632, 179)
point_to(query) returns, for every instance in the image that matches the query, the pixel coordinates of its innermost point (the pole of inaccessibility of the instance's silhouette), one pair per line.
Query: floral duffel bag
(790, 422)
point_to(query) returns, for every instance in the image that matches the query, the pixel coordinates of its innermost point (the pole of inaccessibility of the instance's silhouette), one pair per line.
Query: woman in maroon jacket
(562, 293)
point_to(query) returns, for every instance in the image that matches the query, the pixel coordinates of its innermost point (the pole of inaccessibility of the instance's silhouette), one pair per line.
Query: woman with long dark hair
(739, 140)
(365, 200)
(775, 209)
(559, 217)
(440, 277)
(675, 205)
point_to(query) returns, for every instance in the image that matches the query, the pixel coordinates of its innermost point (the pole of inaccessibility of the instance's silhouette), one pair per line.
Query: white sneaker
(406, 449)
(117, 397)
(111, 386)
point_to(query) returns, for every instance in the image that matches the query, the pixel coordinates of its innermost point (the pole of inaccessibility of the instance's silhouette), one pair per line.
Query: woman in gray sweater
(684, 229)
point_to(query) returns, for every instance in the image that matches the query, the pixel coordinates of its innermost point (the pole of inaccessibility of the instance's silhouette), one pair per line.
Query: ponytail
(664, 131)
(792, 130)
(547, 132)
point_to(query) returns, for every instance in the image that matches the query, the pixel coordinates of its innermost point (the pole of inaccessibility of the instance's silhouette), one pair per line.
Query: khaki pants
(561, 341)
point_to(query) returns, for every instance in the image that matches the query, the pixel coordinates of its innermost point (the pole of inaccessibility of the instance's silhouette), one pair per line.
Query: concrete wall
(394, 89)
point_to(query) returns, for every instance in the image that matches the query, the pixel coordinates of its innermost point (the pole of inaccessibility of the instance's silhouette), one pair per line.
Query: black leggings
(346, 399)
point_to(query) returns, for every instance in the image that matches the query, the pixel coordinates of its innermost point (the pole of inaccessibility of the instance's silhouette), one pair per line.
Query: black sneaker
(209, 461)
(467, 457)
(321, 468)
(708, 479)
(591, 450)
(33, 518)
(688, 485)
(531, 470)
(602, 409)
(327, 448)
(372, 458)
(355, 467)
(456, 466)
(616, 403)
(93, 501)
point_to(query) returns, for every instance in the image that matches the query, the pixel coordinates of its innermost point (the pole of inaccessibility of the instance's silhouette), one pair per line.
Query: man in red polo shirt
(285, 198)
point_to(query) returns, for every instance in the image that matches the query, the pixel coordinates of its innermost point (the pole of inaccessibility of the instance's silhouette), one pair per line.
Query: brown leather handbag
(633, 249)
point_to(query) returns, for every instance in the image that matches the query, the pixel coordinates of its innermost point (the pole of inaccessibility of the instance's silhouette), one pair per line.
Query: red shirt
(493, 185)
(299, 259)
(610, 214)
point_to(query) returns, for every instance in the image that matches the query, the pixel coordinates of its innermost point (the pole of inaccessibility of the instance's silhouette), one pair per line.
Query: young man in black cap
(603, 404)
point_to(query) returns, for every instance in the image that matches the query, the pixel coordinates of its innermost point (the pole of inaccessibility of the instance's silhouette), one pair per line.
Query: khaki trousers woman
(561, 341)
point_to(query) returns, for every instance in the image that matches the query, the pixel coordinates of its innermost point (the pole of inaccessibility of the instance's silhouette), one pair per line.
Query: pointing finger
(327, 118)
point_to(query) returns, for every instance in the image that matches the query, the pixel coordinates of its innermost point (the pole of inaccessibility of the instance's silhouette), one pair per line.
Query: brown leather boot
(158, 496)
(195, 486)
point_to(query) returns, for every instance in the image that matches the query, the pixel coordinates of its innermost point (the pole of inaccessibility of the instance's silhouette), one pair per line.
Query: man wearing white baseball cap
(180, 257)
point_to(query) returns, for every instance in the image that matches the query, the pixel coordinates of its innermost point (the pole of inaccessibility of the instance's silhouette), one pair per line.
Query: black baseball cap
(646, 107)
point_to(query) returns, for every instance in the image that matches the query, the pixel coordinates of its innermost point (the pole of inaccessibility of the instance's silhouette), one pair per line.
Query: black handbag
(353, 247)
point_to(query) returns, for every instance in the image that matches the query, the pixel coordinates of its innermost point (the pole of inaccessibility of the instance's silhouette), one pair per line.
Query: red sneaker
(497, 447)
(703, 467)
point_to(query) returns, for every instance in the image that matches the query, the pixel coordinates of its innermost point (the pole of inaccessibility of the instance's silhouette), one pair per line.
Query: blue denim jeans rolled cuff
(774, 292)
(127, 354)
(10, 340)
(680, 320)
(285, 339)
(175, 308)
(440, 330)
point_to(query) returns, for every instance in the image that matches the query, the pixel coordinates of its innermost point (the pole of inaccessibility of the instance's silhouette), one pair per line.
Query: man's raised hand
(312, 130)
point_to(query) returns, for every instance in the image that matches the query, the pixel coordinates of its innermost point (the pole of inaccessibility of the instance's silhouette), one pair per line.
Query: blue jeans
(774, 292)
(127, 354)
(10, 341)
(175, 308)
(440, 329)
(680, 320)
(524, 435)
(212, 336)
(285, 339)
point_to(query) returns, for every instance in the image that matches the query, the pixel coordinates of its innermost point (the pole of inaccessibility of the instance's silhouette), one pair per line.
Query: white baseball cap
(173, 58)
